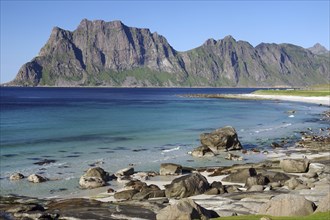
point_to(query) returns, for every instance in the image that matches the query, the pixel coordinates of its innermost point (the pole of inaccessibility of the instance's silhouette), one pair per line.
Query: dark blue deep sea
(115, 127)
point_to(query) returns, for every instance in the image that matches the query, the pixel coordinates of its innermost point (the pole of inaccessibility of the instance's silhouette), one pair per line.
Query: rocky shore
(293, 181)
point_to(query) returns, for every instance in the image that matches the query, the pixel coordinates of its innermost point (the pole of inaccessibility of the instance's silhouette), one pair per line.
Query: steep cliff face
(102, 53)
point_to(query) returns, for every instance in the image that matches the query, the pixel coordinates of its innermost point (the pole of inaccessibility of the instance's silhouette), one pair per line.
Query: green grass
(305, 93)
(316, 216)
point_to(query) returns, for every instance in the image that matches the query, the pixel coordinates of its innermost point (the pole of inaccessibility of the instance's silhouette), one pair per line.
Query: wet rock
(93, 178)
(287, 205)
(185, 209)
(240, 176)
(294, 165)
(275, 145)
(35, 178)
(188, 185)
(125, 172)
(16, 176)
(222, 139)
(125, 195)
(44, 162)
(170, 169)
(231, 156)
(324, 204)
(202, 151)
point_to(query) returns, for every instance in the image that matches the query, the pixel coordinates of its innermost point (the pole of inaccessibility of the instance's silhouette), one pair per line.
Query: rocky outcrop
(100, 53)
(324, 204)
(288, 205)
(93, 178)
(294, 165)
(185, 209)
(188, 185)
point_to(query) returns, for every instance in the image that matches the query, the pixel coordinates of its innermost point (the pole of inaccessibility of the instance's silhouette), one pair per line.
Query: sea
(78, 128)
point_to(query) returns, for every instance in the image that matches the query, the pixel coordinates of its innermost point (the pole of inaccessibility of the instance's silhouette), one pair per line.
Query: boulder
(185, 209)
(324, 204)
(222, 139)
(35, 178)
(93, 178)
(240, 176)
(170, 169)
(256, 180)
(16, 176)
(125, 172)
(275, 176)
(125, 195)
(136, 184)
(232, 188)
(188, 185)
(294, 165)
(218, 185)
(287, 205)
(293, 183)
(97, 172)
(202, 151)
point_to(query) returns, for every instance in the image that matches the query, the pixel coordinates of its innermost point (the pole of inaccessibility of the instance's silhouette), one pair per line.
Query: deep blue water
(77, 127)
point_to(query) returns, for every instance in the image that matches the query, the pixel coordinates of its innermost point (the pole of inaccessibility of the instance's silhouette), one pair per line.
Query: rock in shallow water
(35, 178)
(222, 139)
(93, 178)
(16, 176)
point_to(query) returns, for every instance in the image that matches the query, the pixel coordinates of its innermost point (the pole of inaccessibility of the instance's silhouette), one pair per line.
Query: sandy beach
(324, 100)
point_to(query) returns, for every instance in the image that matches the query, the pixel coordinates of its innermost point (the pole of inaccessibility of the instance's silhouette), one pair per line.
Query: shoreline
(323, 100)
(240, 200)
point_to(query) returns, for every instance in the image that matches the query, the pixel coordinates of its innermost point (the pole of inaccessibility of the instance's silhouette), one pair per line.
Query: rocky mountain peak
(318, 49)
(113, 54)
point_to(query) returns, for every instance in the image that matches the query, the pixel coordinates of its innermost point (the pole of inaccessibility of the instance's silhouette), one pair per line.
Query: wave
(172, 149)
(273, 128)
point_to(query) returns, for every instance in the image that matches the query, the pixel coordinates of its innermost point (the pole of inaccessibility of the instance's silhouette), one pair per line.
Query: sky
(26, 25)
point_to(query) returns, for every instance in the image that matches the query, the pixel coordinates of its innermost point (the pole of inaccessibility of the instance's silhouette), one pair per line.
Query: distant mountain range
(100, 53)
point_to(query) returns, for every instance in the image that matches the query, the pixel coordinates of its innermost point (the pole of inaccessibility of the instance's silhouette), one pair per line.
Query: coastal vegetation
(316, 216)
(315, 90)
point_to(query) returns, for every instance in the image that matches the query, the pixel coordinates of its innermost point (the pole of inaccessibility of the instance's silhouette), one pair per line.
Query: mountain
(318, 49)
(100, 53)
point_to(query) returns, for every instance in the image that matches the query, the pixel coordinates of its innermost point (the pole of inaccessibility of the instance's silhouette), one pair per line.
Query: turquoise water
(78, 127)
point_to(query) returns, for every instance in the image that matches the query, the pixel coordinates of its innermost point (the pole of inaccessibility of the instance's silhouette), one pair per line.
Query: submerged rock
(185, 209)
(16, 176)
(188, 185)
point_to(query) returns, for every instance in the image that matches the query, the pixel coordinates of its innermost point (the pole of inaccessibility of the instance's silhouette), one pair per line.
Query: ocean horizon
(77, 128)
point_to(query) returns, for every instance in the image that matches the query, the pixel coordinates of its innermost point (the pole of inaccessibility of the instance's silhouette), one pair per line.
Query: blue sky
(26, 25)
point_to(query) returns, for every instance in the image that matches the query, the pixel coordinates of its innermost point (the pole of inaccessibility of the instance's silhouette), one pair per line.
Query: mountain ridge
(99, 53)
